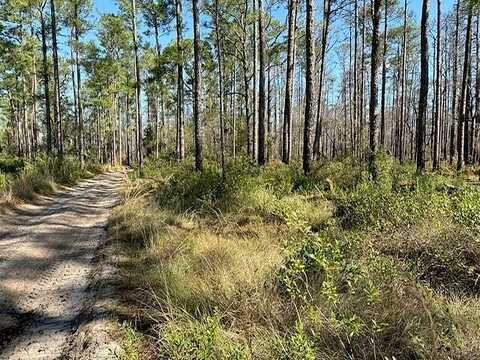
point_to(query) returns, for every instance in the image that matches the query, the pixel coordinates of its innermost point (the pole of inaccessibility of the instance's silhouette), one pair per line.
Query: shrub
(205, 339)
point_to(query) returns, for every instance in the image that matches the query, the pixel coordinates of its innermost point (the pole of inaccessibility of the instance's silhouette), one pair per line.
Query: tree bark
(463, 95)
(46, 78)
(384, 75)
(56, 77)
(318, 121)
(261, 87)
(373, 89)
(180, 122)
(436, 125)
(138, 115)
(220, 87)
(79, 90)
(197, 90)
(422, 103)
(310, 64)
(290, 78)
(454, 84)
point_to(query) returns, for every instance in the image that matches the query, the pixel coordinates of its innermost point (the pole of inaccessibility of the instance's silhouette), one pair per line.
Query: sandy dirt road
(46, 253)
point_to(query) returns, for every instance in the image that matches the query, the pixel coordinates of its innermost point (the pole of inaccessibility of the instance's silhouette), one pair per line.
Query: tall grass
(24, 178)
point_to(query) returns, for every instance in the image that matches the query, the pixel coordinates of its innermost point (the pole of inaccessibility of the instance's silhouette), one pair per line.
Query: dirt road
(46, 253)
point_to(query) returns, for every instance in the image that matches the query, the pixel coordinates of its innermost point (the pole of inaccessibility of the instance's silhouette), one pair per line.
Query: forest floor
(48, 253)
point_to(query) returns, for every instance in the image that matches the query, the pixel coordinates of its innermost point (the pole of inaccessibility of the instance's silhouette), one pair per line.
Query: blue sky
(108, 6)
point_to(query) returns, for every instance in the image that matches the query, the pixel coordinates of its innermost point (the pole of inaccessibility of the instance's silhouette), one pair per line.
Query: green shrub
(203, 339)
(11, 164)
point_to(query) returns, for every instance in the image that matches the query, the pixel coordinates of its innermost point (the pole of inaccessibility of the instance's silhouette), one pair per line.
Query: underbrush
(268, 264)
(24, 178)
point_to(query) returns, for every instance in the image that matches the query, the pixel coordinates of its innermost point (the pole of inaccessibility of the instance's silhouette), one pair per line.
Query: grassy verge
(269, 264)
(22, 179)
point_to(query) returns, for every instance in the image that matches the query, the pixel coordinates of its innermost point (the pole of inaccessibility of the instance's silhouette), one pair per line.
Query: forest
(269, 179)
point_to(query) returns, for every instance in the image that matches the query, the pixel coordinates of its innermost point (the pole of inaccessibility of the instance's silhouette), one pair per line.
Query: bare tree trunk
(463, 95)
(318, 129)
(261, 87)
(454, 84)
(422, 104)
(138, 108)
(220, 86)
(255, 82)
(34, 107)
(310, 64)
(290, 78)
(373, 89)
(403, 76)
(384, 75)
(46, 78)
(56, 78)
(197, 90)
(79, 92)
(436, 125)
(180, 122)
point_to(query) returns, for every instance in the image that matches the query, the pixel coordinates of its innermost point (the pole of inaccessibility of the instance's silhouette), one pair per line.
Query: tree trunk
(373, 89)
(384, 75)
(463, 95)
(422, 103)
(220, 86)
(79, 91)
(318, 121)
(197, 87)
(310, 64)
(180, 122)
(290, 78)
(454, 84)
(436, 125)
(261, 87)
(403, 76)
(56, 77)
(46, 78)
(137, 87)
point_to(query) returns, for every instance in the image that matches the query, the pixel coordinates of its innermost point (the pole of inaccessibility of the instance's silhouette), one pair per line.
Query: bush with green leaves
(194, 339)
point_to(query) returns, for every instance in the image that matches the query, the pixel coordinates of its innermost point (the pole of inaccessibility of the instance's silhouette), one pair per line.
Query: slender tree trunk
(318, 121)
(197, 90)
(355, 79)
(180, 122)
(309, 73)
(261, 88)
(138, 94)
(454, 84)
(384, 75)
(403, 76)
(157, 95)
(56, 77)
(436, 125)
(255, 84)
(463, 95)
(220, 87)
(290, 78)
(422, 103)
(373, 89)
(46, 78)
(81, 141)
(34, 107)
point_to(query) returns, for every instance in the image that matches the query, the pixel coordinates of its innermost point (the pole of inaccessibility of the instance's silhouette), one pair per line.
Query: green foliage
(300, 346)
(30, 177)
(203, 339)
(131, 343)
(11, 164)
